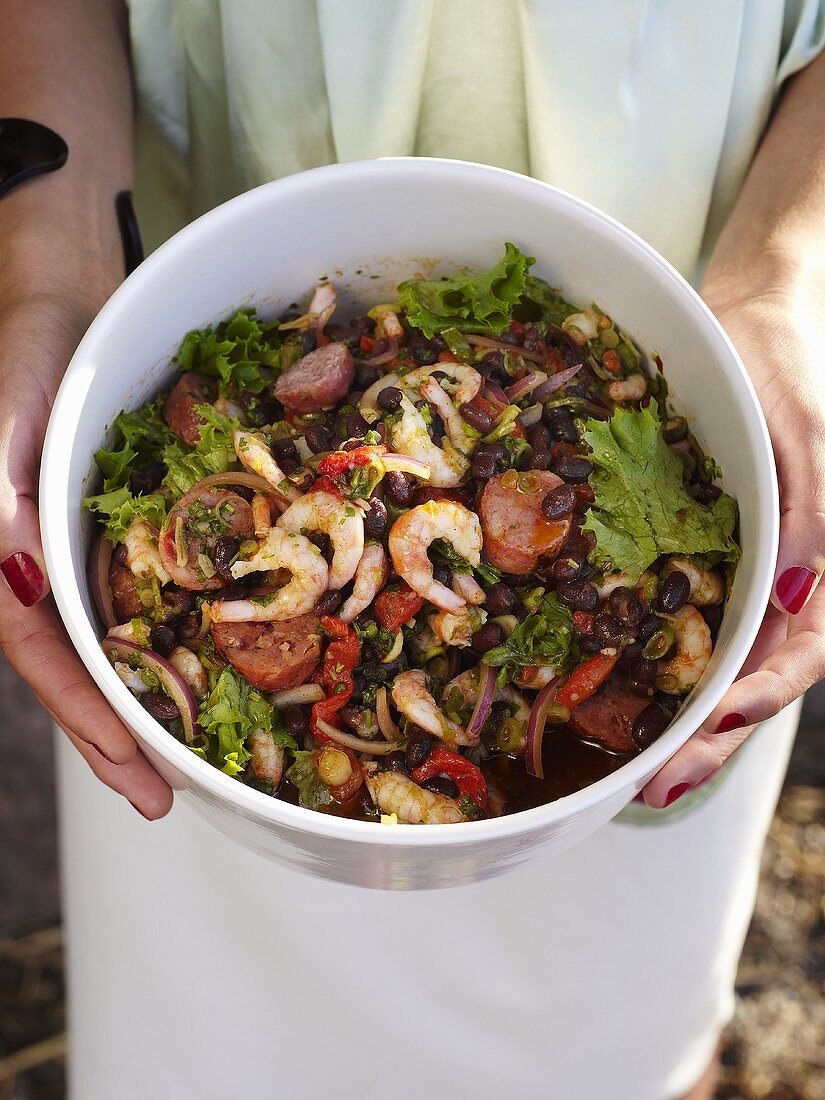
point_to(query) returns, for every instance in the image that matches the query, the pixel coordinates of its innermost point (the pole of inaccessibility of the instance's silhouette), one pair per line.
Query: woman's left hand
(780, 334)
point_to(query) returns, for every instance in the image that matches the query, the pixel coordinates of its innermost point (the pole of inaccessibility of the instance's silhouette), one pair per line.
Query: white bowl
(368, 225)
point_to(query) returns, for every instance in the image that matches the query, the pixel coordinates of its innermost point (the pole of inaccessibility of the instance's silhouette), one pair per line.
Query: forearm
(65, 63)
(775, 237)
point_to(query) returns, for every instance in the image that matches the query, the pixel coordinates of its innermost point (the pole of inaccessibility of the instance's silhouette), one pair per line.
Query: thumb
(801, 559)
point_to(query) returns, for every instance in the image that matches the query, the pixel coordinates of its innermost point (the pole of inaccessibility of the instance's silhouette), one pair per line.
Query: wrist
(782, 273)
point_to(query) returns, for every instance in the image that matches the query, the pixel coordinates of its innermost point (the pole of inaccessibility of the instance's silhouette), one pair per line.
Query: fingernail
(731, 722)
(23, 577)
(142, 814)
(794, 587)
(677, 792)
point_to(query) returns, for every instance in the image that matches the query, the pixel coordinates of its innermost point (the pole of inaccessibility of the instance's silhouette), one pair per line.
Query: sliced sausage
(207, 516)
(125, 597)
(318, 381)
(607, 718)
(272, 656)
(179, 411)
(516, 534)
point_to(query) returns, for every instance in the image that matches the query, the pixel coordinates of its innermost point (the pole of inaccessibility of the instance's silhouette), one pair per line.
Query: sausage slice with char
(206, 515)
(318, 380)
(516, 533)
(179, 411)
(272, 656)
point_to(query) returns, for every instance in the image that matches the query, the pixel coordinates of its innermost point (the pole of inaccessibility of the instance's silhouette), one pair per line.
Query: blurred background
(774, 1050)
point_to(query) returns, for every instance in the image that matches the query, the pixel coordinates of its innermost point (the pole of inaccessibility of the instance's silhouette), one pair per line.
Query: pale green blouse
(651, 109)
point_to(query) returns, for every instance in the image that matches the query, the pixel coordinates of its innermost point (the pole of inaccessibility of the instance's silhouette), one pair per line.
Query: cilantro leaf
(444, 550)
(213, 453)
(119, 508)
(237, 351)
(642, 508)
(479, 303)
(313, 792)
(544, 638)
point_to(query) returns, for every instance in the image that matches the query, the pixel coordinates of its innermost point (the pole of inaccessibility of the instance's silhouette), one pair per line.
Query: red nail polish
(23, 577)
(794, 587)
(730, 722)
(677, 792)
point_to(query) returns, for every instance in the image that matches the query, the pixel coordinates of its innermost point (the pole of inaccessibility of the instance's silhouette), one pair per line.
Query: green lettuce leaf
(313, 792)
(139, 436)
(119, 508)
(213, 454)
(542, 302)
(237, 351)
(544, 638)
(231, 713)
(642, 508)
(478, 303)
(145, 425)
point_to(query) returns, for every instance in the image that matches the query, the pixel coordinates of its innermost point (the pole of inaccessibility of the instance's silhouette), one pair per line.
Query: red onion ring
(357, 744)
(530, 416)
(525, 385)
(116, 649)
(406, 465)
(494, 392)
(556, 382)
(535, 729)
(484, 700)
(513, 349)
(241, 477)
(99, 561)
(385, 356)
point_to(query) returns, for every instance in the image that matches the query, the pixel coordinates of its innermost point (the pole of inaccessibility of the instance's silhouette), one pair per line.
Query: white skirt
(199, 971)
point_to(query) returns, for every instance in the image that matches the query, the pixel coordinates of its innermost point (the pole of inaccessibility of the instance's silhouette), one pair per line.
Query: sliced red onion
(116, 649)
(525, 385)
(244, 478)
(99, 561)
(556, 381)
(535, 729)
(501, 345)
(530, 416)
(484, 700)
(405, 465)
(357, 744)
(493, 392)
(382, 713)
(385, 356)
(298, 696)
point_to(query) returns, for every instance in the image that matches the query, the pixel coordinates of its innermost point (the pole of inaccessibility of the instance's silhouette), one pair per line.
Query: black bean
(586, 570)
(650, 724)
(443, 573)
(607, 630)
(375, 520)
(487, 637)
(147, 479)
(707, 494)
(356, 425)
(539, 436)
(573, 469)
(318, 439)
(589, 644)
(578, 594)
(226, 548)
(321, 540)
(673, 593)
(649, 625)
(396, 762)
(418, 749)
(307, 342)
(500, 599)
(712, 616)
(326, 604)
(636, 687)
(389, 398)
(121, 555)
(674, 429)
(559, 421)
(428, 407)
(540, 459)
(559, 502)
(296, 721)
(160, 706)
(341, 335)
(486, 460)
(399, 488)
(284, 448)
(477, 418)
(162, 639)
(423, 353)
(642, 670)
(492, 361)
(440, 784)
(631, 652)
(626, 606)
(511, 338)
(366, 376)
(289, 466)
(352, 444)
(231, 592)
(363, 324)
(519, 611)
(566, 569)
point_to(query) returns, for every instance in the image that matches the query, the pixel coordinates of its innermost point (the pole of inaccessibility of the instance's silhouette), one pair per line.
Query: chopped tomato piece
(447, 357)
(611, 361)
(366, 344)
(338, 462)
(394, 608)
(466, 776)
(341, 657)
(586, 679)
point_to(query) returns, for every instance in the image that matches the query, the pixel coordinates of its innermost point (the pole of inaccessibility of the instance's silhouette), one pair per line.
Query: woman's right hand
(38, 334)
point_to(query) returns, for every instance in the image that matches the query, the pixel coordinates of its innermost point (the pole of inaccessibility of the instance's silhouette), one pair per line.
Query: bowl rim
(205, 778)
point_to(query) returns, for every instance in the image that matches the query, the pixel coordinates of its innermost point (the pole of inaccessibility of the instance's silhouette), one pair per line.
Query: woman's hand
(37, 338)
(780, 333)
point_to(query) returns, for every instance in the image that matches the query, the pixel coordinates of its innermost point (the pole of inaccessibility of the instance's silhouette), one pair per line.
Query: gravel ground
(774, 1049)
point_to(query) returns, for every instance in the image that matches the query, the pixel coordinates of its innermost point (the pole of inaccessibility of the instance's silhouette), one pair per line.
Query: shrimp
(621, 580)
(451, 417)
(412, 697)
(693, 649)
(632, 388)
(536, 676)
(266, 758)
(465, 380)
(583, 326)
(261, 515)
(136, 630)
(142, 554)
(253, 453)
(457, 627)
(386, 322)
(131, 678)
(394, 793)
(410, 437)
(411, 535)
(370, 577)
(189, 666)
(467, 587)
(336, 517)
(706, 588)
(230, 408)
(279, 550)
(321, 309)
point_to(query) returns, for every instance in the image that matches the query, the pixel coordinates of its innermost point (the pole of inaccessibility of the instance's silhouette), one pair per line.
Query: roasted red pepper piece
(366, 344)
(339, 462)
(340, 659)
(612, 362)
(583, 621)
(466, 776)
(586, 679)
(393, 608)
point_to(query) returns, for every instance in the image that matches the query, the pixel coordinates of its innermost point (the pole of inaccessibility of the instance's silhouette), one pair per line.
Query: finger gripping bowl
(368, 226)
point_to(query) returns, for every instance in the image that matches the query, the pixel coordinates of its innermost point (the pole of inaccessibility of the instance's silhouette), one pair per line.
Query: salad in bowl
(445, 560)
